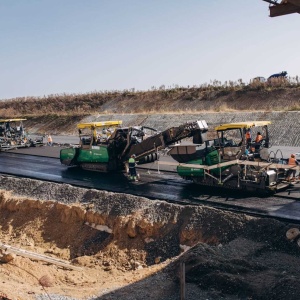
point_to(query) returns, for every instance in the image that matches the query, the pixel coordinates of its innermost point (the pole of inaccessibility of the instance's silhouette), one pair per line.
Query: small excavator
(107, 146)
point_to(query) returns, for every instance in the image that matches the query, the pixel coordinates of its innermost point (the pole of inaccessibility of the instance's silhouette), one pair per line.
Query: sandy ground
(131, 248)
(38, 228)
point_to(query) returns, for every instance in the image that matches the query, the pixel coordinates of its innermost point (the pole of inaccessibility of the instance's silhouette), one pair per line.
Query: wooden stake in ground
(36, 256)
(182, 281)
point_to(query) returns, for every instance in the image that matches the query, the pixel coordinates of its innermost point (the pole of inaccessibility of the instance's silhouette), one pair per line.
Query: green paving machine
(238, 158)
(107, 146)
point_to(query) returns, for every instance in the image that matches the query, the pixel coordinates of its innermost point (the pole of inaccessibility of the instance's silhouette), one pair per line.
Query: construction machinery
(233, 161)
(13, 135)
(107, 146)
(283, 7)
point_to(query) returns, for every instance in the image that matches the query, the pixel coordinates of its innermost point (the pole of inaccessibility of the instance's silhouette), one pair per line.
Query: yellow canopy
(11, 120)
(93, 125)
(246, 125)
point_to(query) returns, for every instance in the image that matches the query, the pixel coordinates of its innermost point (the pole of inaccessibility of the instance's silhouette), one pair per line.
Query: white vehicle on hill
(258, 79)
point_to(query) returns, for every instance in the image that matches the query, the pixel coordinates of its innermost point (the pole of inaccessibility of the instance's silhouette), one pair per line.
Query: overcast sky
(79, 46)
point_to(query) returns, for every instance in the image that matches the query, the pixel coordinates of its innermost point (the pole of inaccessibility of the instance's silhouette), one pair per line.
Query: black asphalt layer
(46, 151)
(42, 163)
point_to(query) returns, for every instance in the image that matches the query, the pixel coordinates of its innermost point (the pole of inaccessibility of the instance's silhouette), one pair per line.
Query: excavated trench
(89, 222)
(120, 234)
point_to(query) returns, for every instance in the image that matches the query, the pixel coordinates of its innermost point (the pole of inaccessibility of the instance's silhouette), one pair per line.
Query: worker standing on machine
(248, 137)
(132, 170)
(291, 174)
(258, 140)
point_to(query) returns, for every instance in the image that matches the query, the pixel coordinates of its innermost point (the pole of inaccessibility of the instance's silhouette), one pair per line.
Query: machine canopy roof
(246, 125)
(94, 125)
(11, 120)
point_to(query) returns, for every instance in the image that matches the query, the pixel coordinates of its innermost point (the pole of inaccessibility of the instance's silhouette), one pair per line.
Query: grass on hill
(215, 96)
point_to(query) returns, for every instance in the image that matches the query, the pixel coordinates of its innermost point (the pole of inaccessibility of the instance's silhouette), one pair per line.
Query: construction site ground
(130, 248)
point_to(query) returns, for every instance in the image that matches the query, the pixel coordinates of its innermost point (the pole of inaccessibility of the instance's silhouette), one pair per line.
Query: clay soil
(54, 230)
(133, 248)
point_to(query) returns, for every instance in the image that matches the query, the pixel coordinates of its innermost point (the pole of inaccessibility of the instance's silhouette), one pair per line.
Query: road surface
(154, 184)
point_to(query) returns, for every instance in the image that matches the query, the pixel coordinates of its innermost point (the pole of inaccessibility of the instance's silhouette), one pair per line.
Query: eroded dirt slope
(128, 245)
(265, 97)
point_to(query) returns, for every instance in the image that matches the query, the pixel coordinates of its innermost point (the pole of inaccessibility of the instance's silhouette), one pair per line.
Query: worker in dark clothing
(258, 141)
(132, 170)
(258, 138)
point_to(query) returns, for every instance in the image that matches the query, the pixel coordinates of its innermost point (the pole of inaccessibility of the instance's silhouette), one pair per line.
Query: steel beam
(271, 2)
(284, 9)
(295, 2)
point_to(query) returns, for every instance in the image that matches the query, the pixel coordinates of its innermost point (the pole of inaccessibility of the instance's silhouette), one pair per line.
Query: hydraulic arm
(161, 140)
(109, 151)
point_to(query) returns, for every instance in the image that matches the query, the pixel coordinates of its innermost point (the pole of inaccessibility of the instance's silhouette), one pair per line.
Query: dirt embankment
(179, 100)
(160, 109)
(129, 247)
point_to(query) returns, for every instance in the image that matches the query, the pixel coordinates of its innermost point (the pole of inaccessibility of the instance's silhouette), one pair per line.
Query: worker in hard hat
(132, 170)
(291, 173)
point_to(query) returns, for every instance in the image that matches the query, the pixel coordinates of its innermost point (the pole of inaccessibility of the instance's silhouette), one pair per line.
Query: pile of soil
(131, 247)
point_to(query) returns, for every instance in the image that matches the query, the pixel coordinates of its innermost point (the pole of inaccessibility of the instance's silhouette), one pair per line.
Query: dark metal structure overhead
(283, 7)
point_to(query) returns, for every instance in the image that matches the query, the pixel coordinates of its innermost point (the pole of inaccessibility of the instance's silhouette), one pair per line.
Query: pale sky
(80, 46)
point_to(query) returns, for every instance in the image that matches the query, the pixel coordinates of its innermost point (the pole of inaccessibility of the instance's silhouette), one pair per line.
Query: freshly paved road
(42, 163)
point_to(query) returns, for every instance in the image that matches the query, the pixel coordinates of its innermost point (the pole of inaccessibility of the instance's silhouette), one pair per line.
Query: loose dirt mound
(121, 240)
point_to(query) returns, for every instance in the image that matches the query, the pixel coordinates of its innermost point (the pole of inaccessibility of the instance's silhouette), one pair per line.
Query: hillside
(162, 108)
(214, 98)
